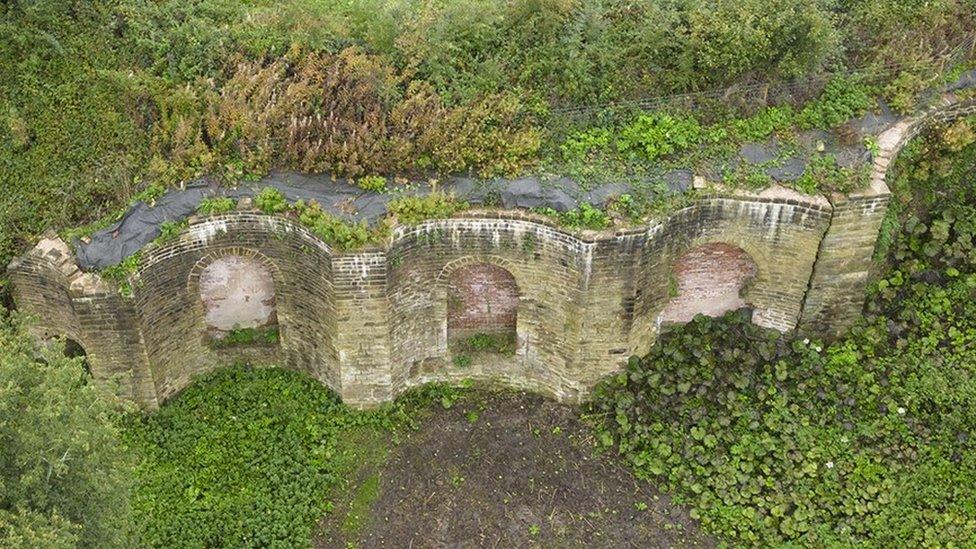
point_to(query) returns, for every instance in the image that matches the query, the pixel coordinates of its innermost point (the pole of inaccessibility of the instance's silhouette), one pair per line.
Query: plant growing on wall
(373, 183)
(415, 209)
(216, 205)
(270, 201)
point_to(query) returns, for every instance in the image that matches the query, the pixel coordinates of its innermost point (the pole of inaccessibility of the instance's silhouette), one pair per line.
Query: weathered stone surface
(529, 192)
(679, 181)
(237, 292)
(373, 323)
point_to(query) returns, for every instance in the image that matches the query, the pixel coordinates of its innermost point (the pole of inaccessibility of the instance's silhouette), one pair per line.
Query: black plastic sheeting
(141, 223)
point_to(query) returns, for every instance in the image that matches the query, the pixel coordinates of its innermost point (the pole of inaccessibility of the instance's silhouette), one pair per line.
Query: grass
(365, 451)
(501, 343)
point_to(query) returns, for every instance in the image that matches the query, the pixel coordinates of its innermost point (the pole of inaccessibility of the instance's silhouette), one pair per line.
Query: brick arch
(196, 288)
(441, 288)
(709, 279)
(460, 263)
(481, 297)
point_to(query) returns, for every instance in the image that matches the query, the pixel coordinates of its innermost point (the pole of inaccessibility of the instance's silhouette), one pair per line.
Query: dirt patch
(504, 470)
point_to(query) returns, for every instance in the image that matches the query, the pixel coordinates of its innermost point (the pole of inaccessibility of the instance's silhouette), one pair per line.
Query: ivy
(774, 439)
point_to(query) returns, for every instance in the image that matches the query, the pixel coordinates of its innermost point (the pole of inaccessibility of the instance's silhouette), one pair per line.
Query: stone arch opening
(73, 349)
(482, 310)
(710, 280)
(239, 302)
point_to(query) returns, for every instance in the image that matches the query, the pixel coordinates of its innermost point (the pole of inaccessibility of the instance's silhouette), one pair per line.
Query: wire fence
(768, 92)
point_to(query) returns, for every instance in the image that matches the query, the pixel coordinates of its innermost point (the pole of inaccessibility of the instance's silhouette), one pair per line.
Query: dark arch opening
(482, 310)
(73, 349)
(708, 280)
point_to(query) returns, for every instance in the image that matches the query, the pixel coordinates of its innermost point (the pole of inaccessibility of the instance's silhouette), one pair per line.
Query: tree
(64, 474)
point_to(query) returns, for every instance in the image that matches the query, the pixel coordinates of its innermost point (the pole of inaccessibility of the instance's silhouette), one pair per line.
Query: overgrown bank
(865, 440)
(101, 98)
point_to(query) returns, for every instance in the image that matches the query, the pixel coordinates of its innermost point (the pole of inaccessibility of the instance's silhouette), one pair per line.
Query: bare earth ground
(501, 470)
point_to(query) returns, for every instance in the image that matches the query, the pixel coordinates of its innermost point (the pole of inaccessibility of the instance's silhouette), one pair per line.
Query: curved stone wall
(170, 307)
(843, 265)
(549, 268)
(372, 323)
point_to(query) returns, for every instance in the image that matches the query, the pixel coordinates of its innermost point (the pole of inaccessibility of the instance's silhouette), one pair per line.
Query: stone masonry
(371, 324)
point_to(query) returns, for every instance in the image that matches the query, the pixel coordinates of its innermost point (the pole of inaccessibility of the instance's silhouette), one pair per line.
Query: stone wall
(372, 324)
(844, 264)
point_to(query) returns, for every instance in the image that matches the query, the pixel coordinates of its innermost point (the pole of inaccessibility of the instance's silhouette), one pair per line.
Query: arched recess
(710, 279)
(73, 349)
(479, 298)
(236, 297)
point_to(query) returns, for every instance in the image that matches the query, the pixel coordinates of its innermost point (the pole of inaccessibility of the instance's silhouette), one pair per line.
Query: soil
(504, 470)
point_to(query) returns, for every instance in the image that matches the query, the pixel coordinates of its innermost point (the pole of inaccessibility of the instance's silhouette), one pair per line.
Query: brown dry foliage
(347, 113)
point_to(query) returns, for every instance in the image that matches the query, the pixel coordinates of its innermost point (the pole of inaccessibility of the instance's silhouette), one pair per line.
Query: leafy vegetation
(251, 457)
(372, 183)
(170, 230)
(217, 205)
(102, 98)
(865, 440)
(415, 209)
(583, 217)
(247, 336)
(631, 146)
(64, 475)
(335, 231)
(121, 274)
(270, 201)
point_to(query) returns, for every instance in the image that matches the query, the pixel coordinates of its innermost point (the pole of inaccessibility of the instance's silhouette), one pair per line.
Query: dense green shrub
(243, 458)
(842, 99)
(270, 201)
(653, 135)
(64, 473)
